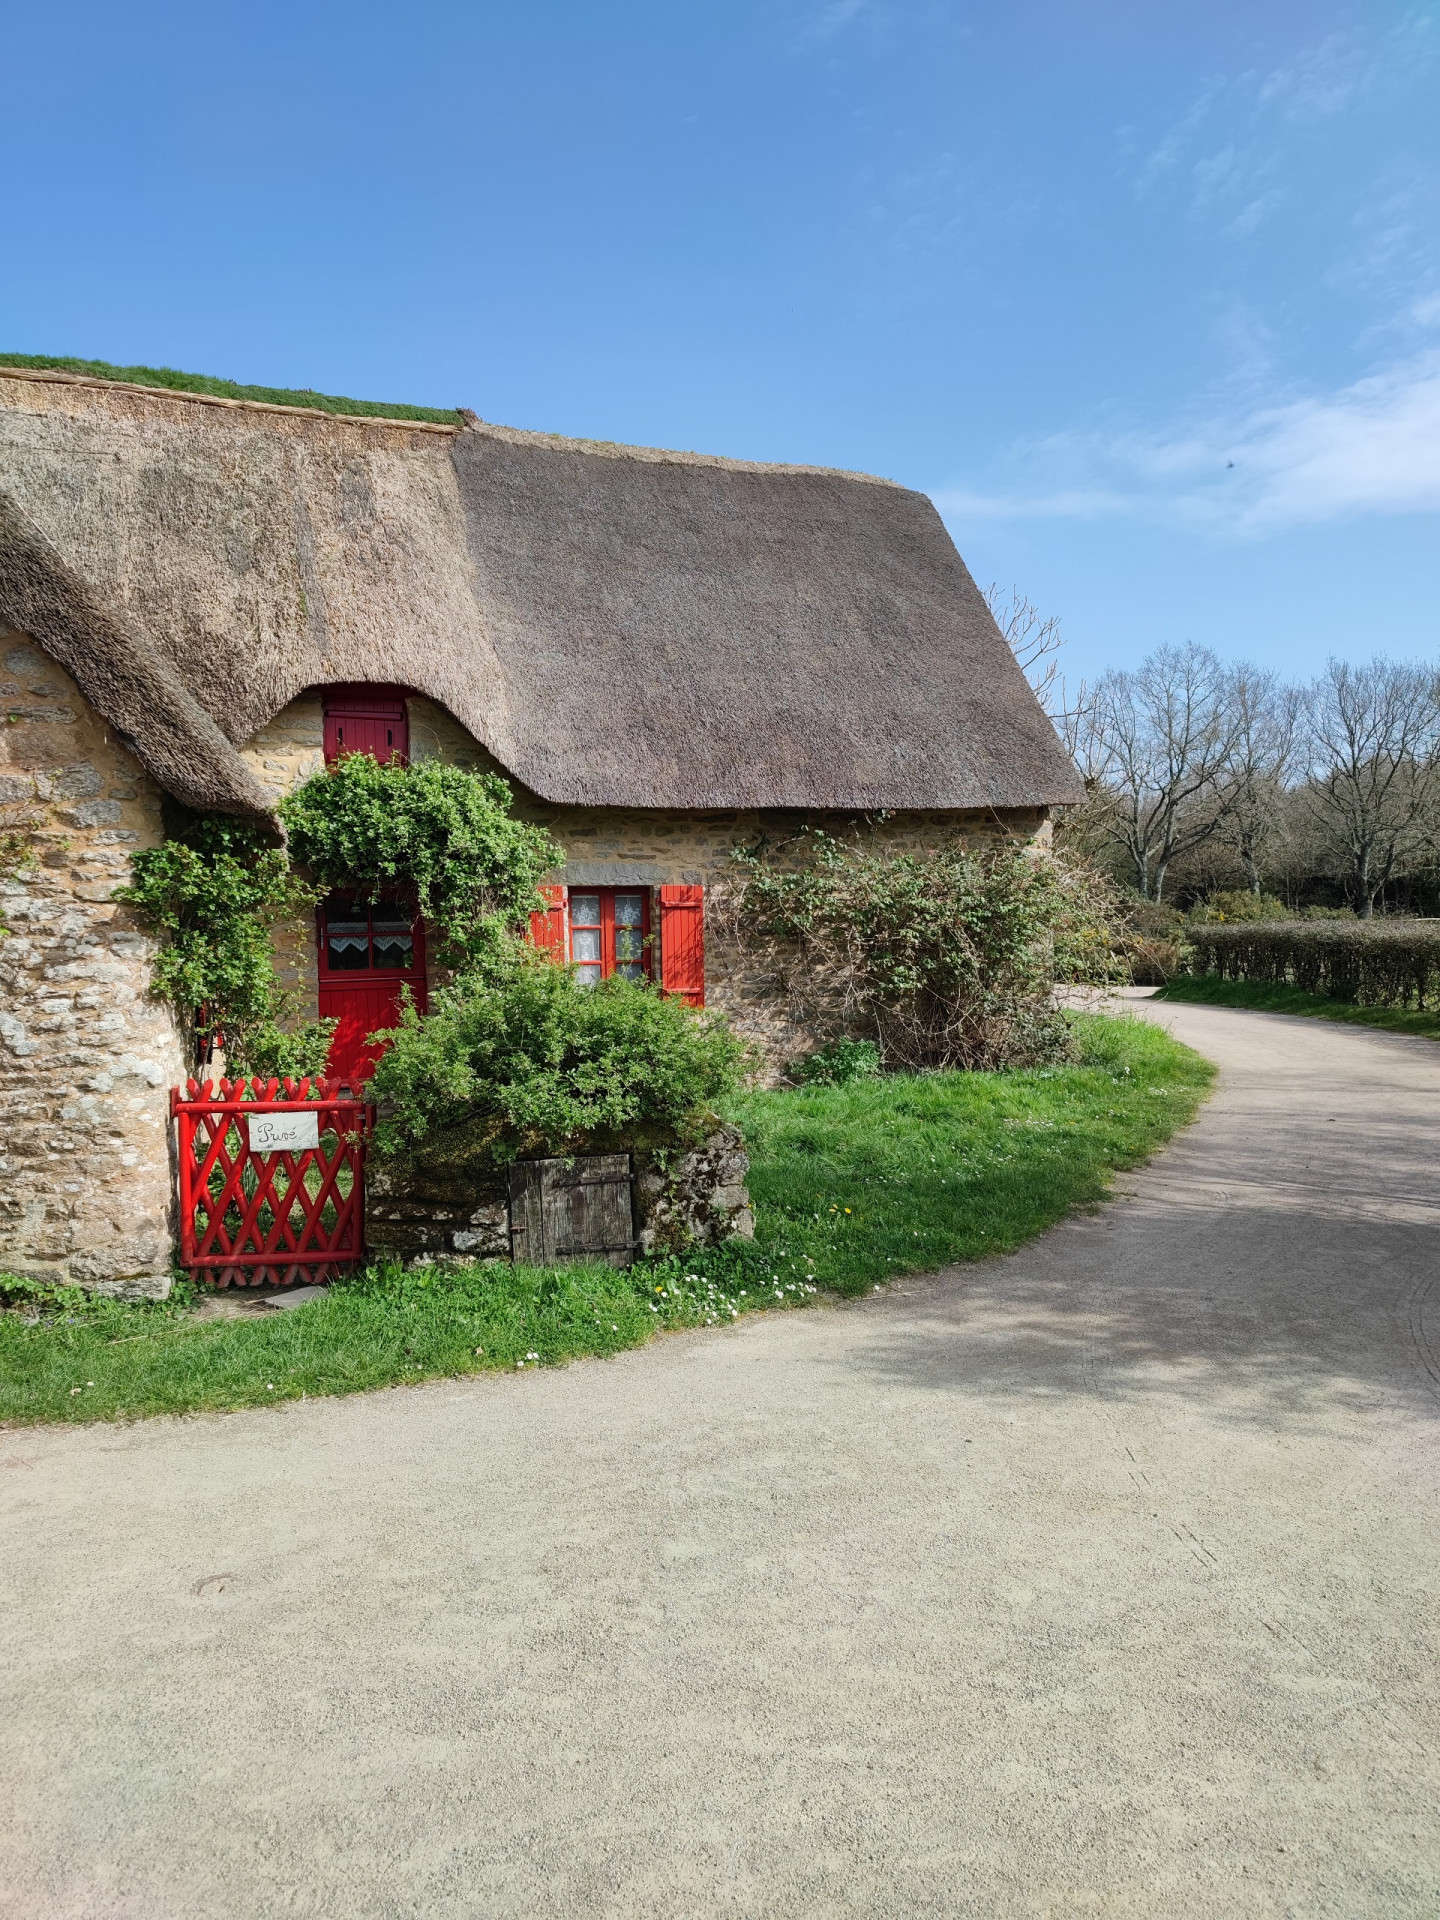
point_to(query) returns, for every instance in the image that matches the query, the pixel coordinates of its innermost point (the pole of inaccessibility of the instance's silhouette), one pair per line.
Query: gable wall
(87, 1056)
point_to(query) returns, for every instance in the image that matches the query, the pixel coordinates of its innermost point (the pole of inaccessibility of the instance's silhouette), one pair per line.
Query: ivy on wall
(215, 890)
(442, 833)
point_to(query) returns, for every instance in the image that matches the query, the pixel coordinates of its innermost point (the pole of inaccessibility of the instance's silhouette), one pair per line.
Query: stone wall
(451, 1205)
(87, 1056)
(695, 1199)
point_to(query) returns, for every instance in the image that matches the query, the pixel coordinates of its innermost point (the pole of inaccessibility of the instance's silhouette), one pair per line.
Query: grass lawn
(852, 1185)
(1209, 990)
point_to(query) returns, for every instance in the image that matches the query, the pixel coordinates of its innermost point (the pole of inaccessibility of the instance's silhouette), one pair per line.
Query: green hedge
(1374, 963)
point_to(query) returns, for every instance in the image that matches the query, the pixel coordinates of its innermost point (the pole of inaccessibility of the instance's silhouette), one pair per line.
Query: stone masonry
(87, 1055)
(451, 1203)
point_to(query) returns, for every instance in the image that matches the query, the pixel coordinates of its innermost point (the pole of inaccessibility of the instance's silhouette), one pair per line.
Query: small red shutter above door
(547, 930)
(360, 721)
(682, 943)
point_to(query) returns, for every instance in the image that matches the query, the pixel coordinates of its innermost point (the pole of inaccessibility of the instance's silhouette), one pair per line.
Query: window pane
(347, 934)
(629, 937)
(587, 976)
(584, 943)
(584, 909)
(393, 943)
(393, 949)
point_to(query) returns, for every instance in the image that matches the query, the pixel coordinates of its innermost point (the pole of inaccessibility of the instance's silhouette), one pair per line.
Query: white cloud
(1324, 79)
(1374, 447)
(1369, 448)
(1242, 134)
(832, 17)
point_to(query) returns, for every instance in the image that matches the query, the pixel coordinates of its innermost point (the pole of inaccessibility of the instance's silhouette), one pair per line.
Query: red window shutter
(357, 721)
(682, 943)
(547, 930)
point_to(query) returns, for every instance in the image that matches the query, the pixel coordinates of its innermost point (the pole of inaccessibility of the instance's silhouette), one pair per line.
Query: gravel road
(1101, 1579)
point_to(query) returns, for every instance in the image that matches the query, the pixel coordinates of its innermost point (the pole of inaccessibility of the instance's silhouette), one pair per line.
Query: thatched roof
(620, 627)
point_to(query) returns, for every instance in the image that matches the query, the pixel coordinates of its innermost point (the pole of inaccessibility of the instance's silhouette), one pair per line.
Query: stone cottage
(667, 655)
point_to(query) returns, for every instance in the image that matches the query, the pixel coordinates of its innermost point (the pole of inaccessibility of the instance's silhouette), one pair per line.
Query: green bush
(838, 1064)
(945, 959)
(1149, 941)
(447, 836)
(1237, 904)
(1373, 963)
(528, 1060)
(217, 886)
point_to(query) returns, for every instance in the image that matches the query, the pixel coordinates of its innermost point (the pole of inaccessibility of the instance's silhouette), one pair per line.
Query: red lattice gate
(272, 1180)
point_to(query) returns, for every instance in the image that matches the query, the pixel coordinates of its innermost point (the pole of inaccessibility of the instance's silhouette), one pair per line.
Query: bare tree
(1373, 734)
(1035, 640)
(1265, 712)
(1159, 744)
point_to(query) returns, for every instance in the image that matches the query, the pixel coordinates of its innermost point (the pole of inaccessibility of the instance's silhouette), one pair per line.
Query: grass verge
(852, 1185)
(1209, 990)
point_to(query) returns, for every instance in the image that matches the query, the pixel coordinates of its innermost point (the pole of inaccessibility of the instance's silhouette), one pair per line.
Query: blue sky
(1146, 296)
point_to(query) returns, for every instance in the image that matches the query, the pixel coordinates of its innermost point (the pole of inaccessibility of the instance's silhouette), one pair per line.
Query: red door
(370, 951)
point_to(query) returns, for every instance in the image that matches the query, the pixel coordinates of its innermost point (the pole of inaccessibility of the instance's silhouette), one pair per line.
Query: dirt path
(1101, 1579)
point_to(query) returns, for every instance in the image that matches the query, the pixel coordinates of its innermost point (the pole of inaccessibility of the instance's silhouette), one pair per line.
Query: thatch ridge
(618, 626)
(521, 436)
(208, 386)
(64, 377)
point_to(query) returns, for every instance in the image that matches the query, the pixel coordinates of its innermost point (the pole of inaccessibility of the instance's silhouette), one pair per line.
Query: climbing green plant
(444, 834)
(213, 891)
(17, 852)
(217, 887)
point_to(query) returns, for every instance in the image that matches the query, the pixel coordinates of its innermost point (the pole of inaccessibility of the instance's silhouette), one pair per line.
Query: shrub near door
(519, 1060)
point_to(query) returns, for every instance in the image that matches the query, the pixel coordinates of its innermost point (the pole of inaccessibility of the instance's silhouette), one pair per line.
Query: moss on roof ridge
(228, 389)
(202, 384)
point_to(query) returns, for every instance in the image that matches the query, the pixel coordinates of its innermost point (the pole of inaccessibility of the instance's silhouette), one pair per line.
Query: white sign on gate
(283, 1132)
